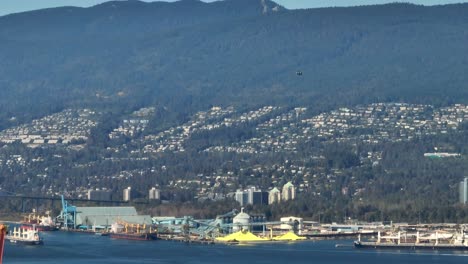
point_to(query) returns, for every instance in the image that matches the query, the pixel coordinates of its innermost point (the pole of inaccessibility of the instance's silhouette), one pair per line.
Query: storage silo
(241, 221)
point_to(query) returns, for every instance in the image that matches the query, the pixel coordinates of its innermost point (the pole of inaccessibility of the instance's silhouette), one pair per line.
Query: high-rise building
(258, 197)
(251, 196)
(127, 194)
(242, 197)
(464, 191)
(289, 192)
(274, 196)
(154, 194)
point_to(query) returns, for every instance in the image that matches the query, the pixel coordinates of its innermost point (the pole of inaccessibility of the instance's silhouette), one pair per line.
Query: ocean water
(70, 248)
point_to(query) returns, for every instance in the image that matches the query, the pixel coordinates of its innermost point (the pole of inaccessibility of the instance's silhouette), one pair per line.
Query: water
(70, 248)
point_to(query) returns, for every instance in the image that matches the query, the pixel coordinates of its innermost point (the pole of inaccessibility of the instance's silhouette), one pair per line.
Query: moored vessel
(24, 236)
(38, 227)
(132, 232)
(39, 223)
(434, 241)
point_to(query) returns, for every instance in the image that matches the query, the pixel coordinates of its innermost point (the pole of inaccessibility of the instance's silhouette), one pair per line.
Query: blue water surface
(70, 248)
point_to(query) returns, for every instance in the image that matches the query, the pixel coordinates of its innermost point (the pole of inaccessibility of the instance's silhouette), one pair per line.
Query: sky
(15, 6)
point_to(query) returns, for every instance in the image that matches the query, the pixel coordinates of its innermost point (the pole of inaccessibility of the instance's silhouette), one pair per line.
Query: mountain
(188, 55)
(202, 99)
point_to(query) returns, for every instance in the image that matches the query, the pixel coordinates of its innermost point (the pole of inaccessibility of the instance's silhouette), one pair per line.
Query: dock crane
(68, 214)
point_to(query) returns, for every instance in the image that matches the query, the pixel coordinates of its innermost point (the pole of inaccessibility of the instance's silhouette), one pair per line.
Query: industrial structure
(223, 224)
(241, 221)
(292, 223)
(73, 217)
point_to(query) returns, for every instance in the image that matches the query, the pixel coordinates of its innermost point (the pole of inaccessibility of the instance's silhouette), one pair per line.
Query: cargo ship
(132, 232)
(24, 236)
(434, 241)
(39, 223)
(38, 227)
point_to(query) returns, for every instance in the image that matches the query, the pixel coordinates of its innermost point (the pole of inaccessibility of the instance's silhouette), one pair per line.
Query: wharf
(413, 246)
(338, 235)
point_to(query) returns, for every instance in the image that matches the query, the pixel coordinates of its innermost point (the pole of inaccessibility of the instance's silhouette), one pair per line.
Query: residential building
(274, 196)
(258, 197)
(242, 197)
(154, 194)
(127, 194)
(101, 195)
(464, 191)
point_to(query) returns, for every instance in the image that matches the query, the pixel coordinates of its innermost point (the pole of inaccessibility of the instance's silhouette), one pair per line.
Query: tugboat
(24, 236)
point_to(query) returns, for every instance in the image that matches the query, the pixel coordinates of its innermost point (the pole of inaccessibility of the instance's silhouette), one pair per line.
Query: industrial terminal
(237, 226)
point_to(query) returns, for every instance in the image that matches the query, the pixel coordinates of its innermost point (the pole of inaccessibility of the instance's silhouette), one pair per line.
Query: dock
(338, 235)
(436, 241)
(411, 246)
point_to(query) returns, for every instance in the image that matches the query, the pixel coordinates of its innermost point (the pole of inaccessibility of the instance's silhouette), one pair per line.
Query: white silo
(241, 221)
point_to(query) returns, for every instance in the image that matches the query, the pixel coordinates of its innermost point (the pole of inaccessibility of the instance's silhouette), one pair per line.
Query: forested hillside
(200, 99)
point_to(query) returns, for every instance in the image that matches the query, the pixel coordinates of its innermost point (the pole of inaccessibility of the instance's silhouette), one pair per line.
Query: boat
(416, 241)
(39, 223)
(38, 227)
(128, 231)
(24, 236)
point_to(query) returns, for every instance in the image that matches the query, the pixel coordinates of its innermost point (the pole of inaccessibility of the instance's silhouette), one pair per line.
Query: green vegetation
(185, 57)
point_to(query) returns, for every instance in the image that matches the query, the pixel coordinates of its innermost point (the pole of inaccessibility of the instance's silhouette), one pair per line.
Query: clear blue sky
(14, 6)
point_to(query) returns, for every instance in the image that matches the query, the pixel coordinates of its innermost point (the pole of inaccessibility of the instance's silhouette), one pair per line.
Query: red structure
(2, 240)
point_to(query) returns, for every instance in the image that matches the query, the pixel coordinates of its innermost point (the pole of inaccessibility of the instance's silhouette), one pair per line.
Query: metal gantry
(68, 214)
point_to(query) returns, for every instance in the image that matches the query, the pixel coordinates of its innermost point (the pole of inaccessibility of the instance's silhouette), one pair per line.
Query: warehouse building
(106, 216)
(99, 217)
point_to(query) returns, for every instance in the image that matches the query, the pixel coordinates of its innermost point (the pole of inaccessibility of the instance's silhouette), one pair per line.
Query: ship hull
(412, 246)
(40, 228)
(25, 242)
(142, 237)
